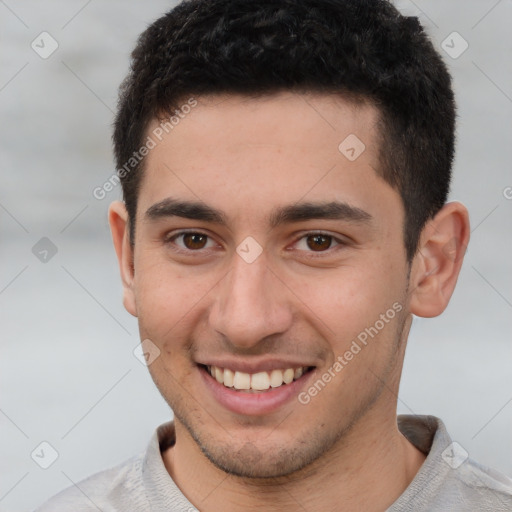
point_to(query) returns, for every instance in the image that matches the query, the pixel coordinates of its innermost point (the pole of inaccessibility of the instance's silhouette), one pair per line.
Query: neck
(368, 469)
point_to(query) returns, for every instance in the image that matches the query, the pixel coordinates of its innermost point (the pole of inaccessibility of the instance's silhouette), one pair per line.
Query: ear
(119, 226)
(437, 263)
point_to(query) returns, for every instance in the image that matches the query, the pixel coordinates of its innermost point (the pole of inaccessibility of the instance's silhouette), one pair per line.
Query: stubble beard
(267, 460)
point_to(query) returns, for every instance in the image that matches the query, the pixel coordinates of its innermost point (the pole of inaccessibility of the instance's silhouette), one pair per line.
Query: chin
(263, 459)
(251, 463)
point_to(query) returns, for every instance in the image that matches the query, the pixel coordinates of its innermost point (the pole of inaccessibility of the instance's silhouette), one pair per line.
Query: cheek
(167, 317)
(346, 300)
(357, 310)
(169, 303)
(172, 299)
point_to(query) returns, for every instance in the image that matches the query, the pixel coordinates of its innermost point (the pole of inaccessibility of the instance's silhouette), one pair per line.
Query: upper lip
(252, 366)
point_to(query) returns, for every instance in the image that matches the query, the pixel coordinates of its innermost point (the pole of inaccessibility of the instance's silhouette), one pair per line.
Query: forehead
(253, 153)
(283, 119)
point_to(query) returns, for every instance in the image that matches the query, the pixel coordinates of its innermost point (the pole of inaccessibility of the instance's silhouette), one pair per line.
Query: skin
(247, 157)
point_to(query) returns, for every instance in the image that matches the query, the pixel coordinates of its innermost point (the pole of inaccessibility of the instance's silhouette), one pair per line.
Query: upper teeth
(257, 381)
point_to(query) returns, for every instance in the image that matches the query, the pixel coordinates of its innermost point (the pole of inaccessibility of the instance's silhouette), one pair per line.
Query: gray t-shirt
(447, 481)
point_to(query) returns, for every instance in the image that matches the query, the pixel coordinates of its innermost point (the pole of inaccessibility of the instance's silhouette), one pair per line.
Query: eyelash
(335, 242)
(171, 238)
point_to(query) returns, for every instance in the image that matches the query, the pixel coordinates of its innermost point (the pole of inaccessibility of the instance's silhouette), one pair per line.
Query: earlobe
(437, 263)
(119, 227)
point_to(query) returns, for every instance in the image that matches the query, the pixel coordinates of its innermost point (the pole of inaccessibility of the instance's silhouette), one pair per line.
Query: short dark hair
(360, 49)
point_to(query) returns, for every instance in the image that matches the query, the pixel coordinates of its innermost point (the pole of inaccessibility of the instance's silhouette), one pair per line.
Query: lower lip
(254, 404)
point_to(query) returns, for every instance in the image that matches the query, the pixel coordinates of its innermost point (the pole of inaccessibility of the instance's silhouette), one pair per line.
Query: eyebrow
(195, 210)
(298, 212)
(333, 210)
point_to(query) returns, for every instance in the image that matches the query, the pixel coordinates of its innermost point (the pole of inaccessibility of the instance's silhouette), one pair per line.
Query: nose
(251, 304)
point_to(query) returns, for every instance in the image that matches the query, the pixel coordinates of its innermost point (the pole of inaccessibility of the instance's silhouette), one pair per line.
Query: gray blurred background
(68, 375)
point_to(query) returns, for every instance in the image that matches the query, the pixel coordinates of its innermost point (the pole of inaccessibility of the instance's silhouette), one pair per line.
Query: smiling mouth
(259, 382)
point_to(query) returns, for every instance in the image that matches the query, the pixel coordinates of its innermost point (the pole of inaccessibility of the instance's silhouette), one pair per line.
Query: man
(285, 168)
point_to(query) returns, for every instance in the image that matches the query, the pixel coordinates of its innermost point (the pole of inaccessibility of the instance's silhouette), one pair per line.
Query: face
(264, 249)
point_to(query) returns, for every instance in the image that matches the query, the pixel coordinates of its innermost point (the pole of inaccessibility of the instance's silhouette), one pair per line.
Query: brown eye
(319, 242)
(194, 240)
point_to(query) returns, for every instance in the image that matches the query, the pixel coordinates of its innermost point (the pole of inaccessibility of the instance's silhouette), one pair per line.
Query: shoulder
(117, 488)
(449, 479)
(486, 485)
